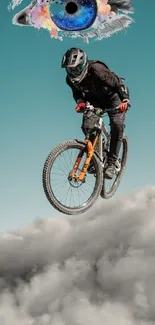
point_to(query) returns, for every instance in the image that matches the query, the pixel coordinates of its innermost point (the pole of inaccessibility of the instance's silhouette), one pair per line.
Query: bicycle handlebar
(99, 111)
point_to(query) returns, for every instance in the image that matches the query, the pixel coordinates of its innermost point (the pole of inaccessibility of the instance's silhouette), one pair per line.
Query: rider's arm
(77, 94)
(110, 80)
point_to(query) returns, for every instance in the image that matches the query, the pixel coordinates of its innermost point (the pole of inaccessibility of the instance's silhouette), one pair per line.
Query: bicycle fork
(90, 152)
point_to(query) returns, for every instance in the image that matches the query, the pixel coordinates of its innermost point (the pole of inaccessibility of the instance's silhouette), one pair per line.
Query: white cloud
(98, 268)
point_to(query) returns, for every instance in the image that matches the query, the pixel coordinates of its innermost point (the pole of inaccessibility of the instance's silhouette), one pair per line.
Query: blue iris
(77, 14)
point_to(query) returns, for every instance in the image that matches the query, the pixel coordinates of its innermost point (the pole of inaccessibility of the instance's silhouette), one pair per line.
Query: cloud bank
(96, 269)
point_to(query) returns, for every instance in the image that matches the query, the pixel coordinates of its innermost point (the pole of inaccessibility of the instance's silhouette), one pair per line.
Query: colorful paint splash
(92, 19)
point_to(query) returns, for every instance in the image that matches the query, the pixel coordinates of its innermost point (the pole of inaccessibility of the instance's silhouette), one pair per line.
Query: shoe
(110, 171)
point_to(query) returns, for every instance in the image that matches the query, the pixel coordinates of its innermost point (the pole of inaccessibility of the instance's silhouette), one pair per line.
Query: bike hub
(74, 181)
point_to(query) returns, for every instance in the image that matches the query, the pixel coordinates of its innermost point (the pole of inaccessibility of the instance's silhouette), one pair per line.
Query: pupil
(71, 8)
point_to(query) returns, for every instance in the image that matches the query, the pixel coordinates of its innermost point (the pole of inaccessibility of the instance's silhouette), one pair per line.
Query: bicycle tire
(114, 187)
(46, 178)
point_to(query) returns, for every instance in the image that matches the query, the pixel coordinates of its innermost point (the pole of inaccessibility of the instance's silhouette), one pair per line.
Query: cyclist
(93, 81)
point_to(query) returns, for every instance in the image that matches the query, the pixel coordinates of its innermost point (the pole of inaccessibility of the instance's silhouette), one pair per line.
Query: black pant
(117, 125)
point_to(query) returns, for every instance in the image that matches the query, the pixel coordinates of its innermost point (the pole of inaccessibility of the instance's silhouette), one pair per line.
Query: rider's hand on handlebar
(124, 106)
(80, 108)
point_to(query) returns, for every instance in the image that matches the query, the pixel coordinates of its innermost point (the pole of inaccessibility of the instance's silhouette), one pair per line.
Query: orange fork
(90, 152)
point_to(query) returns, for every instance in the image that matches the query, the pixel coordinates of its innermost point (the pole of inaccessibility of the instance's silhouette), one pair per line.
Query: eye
(73, 15)
(76, 18)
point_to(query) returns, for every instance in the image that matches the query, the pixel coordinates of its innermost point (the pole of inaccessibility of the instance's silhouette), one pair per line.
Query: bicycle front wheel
(69, 196)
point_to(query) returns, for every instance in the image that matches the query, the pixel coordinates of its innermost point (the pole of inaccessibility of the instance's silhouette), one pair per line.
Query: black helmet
(75, 61)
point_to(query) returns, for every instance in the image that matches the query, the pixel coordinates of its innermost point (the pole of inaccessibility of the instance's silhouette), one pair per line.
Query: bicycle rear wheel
(67, 196)
(108, 193)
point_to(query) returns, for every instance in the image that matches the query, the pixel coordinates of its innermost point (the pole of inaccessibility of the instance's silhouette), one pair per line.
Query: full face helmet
(75, 61)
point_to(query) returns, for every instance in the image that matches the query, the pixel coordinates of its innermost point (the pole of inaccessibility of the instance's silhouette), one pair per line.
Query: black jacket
(99, 87)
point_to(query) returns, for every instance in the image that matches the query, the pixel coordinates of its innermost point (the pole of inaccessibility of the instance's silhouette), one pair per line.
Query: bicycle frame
(101, 133)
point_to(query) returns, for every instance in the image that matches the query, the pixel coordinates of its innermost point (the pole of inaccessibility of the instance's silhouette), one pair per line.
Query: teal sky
(37, 109)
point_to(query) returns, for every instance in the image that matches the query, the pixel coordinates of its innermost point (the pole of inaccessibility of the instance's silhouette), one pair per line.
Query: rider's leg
(89, 122)
(117, 124)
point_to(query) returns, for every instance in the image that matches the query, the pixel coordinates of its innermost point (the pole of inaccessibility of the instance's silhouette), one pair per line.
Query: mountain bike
(82, 165)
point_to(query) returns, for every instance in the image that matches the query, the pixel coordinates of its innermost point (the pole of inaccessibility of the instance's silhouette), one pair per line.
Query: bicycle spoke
(61, 170)
(64, 166)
